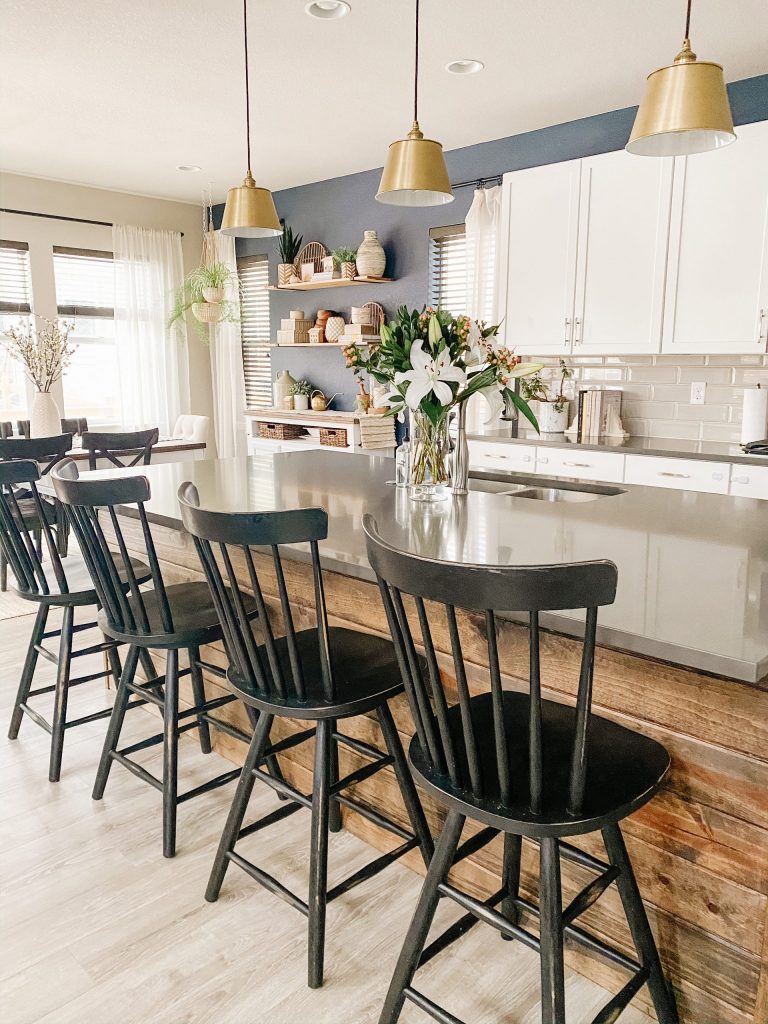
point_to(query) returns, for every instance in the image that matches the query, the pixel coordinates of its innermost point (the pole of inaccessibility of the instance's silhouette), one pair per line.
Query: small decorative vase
(430, 448)
(460, 467)
(207, 312)
(552, 419)
(334, 328)
(371, 259)
(45, 418)
(281, 389)
(301, 403)
(285, 274)
(213, 294)
(348, 271)
(288, 403)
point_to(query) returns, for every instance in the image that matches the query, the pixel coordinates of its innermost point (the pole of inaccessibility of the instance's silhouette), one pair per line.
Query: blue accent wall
(337, 211)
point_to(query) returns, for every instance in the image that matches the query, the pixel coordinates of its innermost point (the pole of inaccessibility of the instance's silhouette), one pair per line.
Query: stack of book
(294, 330)
(594, 412)
(360, 334)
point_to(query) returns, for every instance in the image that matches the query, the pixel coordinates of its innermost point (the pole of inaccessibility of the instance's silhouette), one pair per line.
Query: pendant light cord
(247, 92)
(688, 20)
(416, 71)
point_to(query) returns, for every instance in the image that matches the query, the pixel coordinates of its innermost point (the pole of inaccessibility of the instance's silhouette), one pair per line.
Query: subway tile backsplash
(657, 390)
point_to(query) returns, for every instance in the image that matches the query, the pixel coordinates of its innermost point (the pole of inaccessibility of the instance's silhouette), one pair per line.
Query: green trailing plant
(344, 254)
(289, 244)
(214, 275)
(301, 387)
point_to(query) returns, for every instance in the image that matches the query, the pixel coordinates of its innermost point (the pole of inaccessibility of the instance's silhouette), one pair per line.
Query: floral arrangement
(301, 387)
(433, 362)
(44, 351)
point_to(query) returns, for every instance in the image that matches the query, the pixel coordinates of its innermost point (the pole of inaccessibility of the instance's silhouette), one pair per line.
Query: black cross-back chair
(170, 618)
(520, 765)
(74, 425)
(118, 448)
(46, 452)
(54, 581)
(320, 675)
(24, 428)
(6, 428)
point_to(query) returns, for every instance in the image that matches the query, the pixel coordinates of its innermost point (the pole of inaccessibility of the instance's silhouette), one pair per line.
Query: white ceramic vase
(371, 259)
(301, 403)
(45, 419)
(551, 419)
(334, 328)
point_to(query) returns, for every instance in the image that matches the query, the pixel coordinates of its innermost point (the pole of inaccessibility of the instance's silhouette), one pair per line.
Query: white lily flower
(478, 349)
(495, 400)
(429, 375)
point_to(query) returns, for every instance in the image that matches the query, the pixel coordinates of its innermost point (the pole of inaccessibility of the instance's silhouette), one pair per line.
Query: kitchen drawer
(501, 456)
(580, 464)
(749, 481)
(681, 474)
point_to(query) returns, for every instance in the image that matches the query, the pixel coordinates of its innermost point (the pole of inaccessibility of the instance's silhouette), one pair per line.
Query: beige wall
(39, 195)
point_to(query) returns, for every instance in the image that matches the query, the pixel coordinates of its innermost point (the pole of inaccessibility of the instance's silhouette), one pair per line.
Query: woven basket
(280, 431)
(207, 312)
(333, 437)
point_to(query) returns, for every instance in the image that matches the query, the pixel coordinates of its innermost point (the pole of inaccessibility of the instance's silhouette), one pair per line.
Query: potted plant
(211, 281)
(552, 410)
(301, 391)
(45, 353)
(345, 257)
(203, 293)
(289, 250)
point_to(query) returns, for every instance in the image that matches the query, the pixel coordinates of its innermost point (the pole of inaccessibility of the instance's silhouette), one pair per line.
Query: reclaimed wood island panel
(700, 849)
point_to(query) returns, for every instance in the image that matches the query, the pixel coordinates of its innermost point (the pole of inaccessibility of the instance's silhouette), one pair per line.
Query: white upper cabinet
(538, 262)
(622, 254)
(717, 286)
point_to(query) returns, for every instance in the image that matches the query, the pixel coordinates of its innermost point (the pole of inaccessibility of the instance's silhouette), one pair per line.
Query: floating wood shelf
(308, 286)
(327, 344)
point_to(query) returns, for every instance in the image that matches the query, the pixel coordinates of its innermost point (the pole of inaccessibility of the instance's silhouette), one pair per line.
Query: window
(448, 268)
(15, 305)
(253, 272)
(85, 296)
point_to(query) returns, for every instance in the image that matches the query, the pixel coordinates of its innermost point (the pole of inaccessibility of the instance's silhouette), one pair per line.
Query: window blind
(448, 268)
(253, 272)
(15, 286)
(85, 282)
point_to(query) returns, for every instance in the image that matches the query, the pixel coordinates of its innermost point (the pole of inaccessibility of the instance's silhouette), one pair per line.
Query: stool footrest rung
(456, 930)
(490, 916)
(287, 743)
(475, 843)
(366, 749)
(589, 894)
(371, 869)
(280, 786)
(428, 1006)
(586, 860)
(206, 787)
(213, 669)
(36, 718)
(373, 816)
(105, 645)
(269, 882)
(361, 774)
(75, 629)
(136, 769)
(72, 682)
(610, 1012)
(95, 716)
(202, 709)
(145, 692)
(288, 808)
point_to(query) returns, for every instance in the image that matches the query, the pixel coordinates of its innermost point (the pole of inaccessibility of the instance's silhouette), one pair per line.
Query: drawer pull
(579, 465)
(543, 459)
(741, 479)
(491, 455)
(717, 476)
(677, 476)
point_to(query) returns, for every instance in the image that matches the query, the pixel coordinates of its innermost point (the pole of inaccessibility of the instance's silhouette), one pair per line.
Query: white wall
(40, 195)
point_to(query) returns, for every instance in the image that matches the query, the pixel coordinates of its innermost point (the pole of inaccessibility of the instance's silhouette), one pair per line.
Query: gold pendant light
(249, 211)
(415, 172)
(685, 108)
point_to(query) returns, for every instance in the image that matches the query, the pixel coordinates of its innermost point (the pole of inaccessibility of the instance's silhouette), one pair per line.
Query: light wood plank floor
(96, 926)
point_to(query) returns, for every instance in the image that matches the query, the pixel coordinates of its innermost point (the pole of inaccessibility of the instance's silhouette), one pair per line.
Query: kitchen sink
(555, 494)
(543, 490)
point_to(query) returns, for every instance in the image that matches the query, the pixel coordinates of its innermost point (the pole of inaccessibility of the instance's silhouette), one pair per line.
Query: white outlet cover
(698, 392)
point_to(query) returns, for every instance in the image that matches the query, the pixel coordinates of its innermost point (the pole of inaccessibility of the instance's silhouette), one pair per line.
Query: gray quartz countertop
(715, 451)
(693, 568)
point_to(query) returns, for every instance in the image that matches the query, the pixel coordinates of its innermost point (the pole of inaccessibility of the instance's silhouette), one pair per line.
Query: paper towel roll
(755, 415)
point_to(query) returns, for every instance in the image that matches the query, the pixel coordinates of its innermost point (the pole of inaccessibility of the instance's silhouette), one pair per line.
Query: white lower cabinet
(500, 456)
(680, 474)
(581, 465)
(749, 481)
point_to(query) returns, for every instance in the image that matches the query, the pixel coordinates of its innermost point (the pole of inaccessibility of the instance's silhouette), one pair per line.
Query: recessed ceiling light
(187, 167)
(327, 8)
(464, 67)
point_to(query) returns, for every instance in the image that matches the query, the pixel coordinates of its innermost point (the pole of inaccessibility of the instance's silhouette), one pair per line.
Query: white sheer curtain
(152, 360)
(227, 364)
(482, 240)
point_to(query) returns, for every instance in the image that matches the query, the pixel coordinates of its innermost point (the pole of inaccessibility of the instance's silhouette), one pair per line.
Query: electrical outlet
(698, 391)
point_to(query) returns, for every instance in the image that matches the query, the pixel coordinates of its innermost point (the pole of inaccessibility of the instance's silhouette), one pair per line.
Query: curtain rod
(479, 182)
(56, 216)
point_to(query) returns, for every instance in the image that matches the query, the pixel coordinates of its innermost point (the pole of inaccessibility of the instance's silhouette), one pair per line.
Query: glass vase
(430, 448)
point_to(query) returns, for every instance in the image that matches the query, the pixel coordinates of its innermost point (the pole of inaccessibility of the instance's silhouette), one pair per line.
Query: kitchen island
(683, 657)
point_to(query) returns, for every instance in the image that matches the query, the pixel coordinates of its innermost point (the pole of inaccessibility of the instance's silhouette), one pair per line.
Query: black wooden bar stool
(54, 581)
(521, 766)
(169, 618)
(319, 675)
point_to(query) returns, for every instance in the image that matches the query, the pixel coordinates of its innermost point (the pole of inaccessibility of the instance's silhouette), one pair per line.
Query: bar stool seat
(79, 589)
(624, 771)
(195, 622)
(365, 674)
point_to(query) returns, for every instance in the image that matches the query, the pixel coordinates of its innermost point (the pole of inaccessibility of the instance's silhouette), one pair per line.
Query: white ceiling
(117, 94)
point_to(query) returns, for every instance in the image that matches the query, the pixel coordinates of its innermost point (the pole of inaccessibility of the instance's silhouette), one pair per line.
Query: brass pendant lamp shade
(249, 211)
(415, 173)
(685, 108)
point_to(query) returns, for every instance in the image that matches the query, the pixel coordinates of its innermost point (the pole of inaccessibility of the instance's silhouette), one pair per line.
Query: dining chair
(519, 765)
(24, 428)
(129, 448)
(6, 429)
(74, 425)
(189, 427)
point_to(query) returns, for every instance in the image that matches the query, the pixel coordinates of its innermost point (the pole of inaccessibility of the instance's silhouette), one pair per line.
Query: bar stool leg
(3, 573)
(552, 964)
(239, 807)
(661, 992)
(198, 695)
(334, 812)
(510, 878)
(318, 860)
(113, 657)
(115, 722)
(422, 919)
(27, 673)
(170, 751)
(405, 781)
(61, 694)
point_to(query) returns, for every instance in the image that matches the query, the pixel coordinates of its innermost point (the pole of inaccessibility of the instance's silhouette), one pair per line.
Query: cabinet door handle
(543, 459)
(579, 465)
(567, 338)
(741, 479)
(577, 331)
(763, 316)
(717, 476)
(678, 476)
